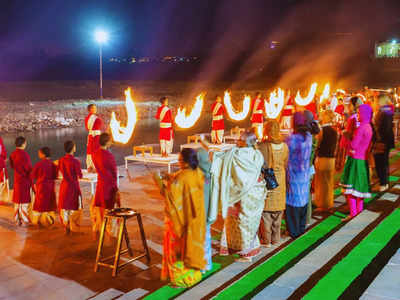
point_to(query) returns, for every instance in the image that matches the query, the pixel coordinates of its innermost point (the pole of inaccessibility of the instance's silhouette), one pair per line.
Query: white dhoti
(43, 218)
(286, 122)
(22, 213)
(71, 219)
(166, 146)
(89, 162)
(258, 130)
(217, 136)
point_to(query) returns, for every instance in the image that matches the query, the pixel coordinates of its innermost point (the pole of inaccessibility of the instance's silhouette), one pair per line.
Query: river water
(146, 132)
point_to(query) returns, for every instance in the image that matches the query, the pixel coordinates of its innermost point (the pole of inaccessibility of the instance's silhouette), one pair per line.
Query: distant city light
(101, 36)
(394, 41)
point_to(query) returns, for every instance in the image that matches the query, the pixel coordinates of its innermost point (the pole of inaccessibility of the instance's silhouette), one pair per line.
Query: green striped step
(334, 283)
(168, 292)
(261, 273)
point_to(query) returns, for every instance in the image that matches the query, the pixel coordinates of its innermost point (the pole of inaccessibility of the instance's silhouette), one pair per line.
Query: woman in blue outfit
(298, 175)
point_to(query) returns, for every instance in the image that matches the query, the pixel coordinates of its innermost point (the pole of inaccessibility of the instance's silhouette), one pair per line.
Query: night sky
(222, 32)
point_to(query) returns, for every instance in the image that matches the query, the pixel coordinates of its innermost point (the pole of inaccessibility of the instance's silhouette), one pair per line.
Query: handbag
(268, 172)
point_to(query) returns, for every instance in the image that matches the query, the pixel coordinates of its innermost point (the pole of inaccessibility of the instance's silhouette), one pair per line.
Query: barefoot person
(93, 125)
(237, 185)
(20, 162)
(70, 197)
(107, 195)
(185, 223)
(43, 176)
(217, 126)
(166, 133)
(257, 115)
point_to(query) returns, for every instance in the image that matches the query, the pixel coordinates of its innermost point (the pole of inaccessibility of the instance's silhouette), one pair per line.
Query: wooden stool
(193, 138)
(143, 149)
(122, 214)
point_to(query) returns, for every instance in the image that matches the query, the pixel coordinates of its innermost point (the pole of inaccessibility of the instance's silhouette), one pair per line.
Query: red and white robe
(20, 162)
(107, 194)
(166, 136)
(93, 125)
(287, 114)
(257, 116)
(217, 126)
(70, 196)
(43, 176)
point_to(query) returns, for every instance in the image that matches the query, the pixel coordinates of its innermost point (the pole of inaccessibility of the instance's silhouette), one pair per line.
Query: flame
(305, 101)
(325, 93)
(276, 100)
(184, 121)
(123, 134)
(232, 113)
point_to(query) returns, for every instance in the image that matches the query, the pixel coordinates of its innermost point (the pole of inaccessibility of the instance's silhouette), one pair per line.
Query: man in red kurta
(166, 137)
(43, 176)
(257, 115)
(3, 158)
(70, 196)
(93, 125)
(106, 196)
(217, 126)
(20, 162)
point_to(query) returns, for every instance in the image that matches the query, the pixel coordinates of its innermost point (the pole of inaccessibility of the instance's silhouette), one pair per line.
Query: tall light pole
(101, 38)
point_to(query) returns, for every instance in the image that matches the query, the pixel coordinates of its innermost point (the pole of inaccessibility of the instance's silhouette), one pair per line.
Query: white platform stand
(155, 159)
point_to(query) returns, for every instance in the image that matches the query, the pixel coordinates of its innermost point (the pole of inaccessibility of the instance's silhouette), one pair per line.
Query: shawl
(233, 174)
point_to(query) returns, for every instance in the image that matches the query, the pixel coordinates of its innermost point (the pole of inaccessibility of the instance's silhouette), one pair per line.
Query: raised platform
(212, 147)
(155, 159)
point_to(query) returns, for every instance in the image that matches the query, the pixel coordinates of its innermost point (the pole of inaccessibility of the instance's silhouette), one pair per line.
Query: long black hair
(189, 156)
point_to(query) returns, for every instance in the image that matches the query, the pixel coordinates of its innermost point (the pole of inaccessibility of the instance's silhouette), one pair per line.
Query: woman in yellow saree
(185, 223)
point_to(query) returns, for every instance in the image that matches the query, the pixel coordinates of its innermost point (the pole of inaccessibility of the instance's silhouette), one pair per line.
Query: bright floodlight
(101, 36)
(394, 41)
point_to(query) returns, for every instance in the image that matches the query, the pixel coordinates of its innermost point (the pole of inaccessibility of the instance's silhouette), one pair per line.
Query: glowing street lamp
(101, 38)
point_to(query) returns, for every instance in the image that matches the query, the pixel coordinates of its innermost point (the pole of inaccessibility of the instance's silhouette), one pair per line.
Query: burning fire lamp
(186, 121)
(310, 97)
(325, 93)
(232, 113)
(101, 38)
(122, 134)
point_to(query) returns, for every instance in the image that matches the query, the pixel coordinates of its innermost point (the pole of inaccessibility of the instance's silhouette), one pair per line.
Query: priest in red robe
(107, 194)
(93, 125)
(217, 126)
(43, 176)
(257, 115)
(20, 162)
(166, 136)
(287, 113)
(70, 196)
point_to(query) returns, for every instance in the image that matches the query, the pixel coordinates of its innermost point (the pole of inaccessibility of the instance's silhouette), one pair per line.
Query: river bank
(32, 106)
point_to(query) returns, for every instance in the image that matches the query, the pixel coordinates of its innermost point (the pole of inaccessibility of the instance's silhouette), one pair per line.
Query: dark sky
(221, 31)
(154, 26)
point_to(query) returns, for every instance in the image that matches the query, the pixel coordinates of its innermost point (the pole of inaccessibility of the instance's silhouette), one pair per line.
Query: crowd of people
(34, 194)
(233, 184)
